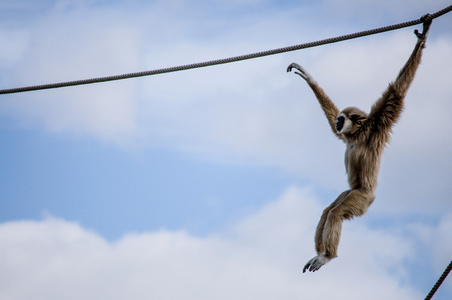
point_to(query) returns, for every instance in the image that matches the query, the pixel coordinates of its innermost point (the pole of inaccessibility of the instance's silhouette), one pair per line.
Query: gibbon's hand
(427, 22)
(305, 75)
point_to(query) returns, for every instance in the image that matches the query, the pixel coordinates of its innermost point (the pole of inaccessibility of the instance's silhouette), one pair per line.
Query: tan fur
(365, 141)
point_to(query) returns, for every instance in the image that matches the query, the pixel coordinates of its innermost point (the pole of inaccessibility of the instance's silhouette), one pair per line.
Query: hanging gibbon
(365, 136)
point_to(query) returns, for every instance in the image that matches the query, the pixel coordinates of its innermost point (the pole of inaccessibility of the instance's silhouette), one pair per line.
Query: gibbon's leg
(319, 231)
(354, 204)
(323, 256)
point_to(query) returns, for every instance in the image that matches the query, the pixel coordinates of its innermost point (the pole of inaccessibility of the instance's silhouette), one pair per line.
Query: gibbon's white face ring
(343, 124)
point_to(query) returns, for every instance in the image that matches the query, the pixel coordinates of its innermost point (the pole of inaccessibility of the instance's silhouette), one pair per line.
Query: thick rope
(440, 281)
(226, 60)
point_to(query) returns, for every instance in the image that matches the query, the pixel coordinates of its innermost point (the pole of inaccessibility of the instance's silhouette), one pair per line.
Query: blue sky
(209, 183)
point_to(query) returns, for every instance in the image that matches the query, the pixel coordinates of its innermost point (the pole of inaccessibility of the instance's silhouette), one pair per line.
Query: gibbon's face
(349, 120)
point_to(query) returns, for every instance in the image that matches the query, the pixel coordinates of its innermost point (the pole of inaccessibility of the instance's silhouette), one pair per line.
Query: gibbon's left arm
(330, 110)
(387, 109)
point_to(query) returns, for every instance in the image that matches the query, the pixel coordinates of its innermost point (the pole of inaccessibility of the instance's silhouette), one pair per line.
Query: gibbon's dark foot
(316, 263)
(305, 75)
(427, 21)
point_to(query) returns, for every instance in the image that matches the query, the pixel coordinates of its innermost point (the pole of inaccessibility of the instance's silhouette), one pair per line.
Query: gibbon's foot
(316, 263)
(305, 75)
(427, 21)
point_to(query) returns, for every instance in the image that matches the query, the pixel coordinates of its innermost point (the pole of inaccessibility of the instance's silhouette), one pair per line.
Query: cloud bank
(260, 256)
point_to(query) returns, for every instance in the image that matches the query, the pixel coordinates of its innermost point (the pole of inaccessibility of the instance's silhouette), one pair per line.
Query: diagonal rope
(225, 60)
(440, 281)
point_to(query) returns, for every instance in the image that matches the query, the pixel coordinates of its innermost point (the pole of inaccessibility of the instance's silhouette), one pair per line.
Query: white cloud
(250, 112)
(260, 256)
(66, 47)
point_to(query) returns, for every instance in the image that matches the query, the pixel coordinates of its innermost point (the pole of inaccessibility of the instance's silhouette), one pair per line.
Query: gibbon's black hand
(427, 21)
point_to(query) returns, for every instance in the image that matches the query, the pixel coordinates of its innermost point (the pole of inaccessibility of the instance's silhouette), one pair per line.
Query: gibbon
(365, 136)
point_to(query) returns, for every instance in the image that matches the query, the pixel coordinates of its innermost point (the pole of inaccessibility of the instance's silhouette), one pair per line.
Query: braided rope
(440, 281)
(226, 60)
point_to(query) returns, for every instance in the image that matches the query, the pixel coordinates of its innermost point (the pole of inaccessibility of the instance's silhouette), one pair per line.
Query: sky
(209, 183)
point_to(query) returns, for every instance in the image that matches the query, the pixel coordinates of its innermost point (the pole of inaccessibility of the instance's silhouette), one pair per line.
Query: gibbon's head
(350, 120)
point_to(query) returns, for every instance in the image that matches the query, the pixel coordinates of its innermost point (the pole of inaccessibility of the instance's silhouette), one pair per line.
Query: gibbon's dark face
(340, 123)
(349, 120)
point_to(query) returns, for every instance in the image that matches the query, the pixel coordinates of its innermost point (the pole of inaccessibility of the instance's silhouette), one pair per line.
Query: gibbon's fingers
(426, 27)
(305, 75)
(296, 66)
(427, 20)
(302, 75)
(291, 66)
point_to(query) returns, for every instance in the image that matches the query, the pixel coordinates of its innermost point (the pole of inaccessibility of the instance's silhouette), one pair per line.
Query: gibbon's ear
(354, 118)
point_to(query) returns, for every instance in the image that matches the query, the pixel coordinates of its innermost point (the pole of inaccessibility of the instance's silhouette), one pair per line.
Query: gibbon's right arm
(330, 110)
(386, 110)
(406, 75)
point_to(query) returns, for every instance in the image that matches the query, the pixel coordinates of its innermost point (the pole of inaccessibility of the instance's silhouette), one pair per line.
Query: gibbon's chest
(362, 163)
(356, 158)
